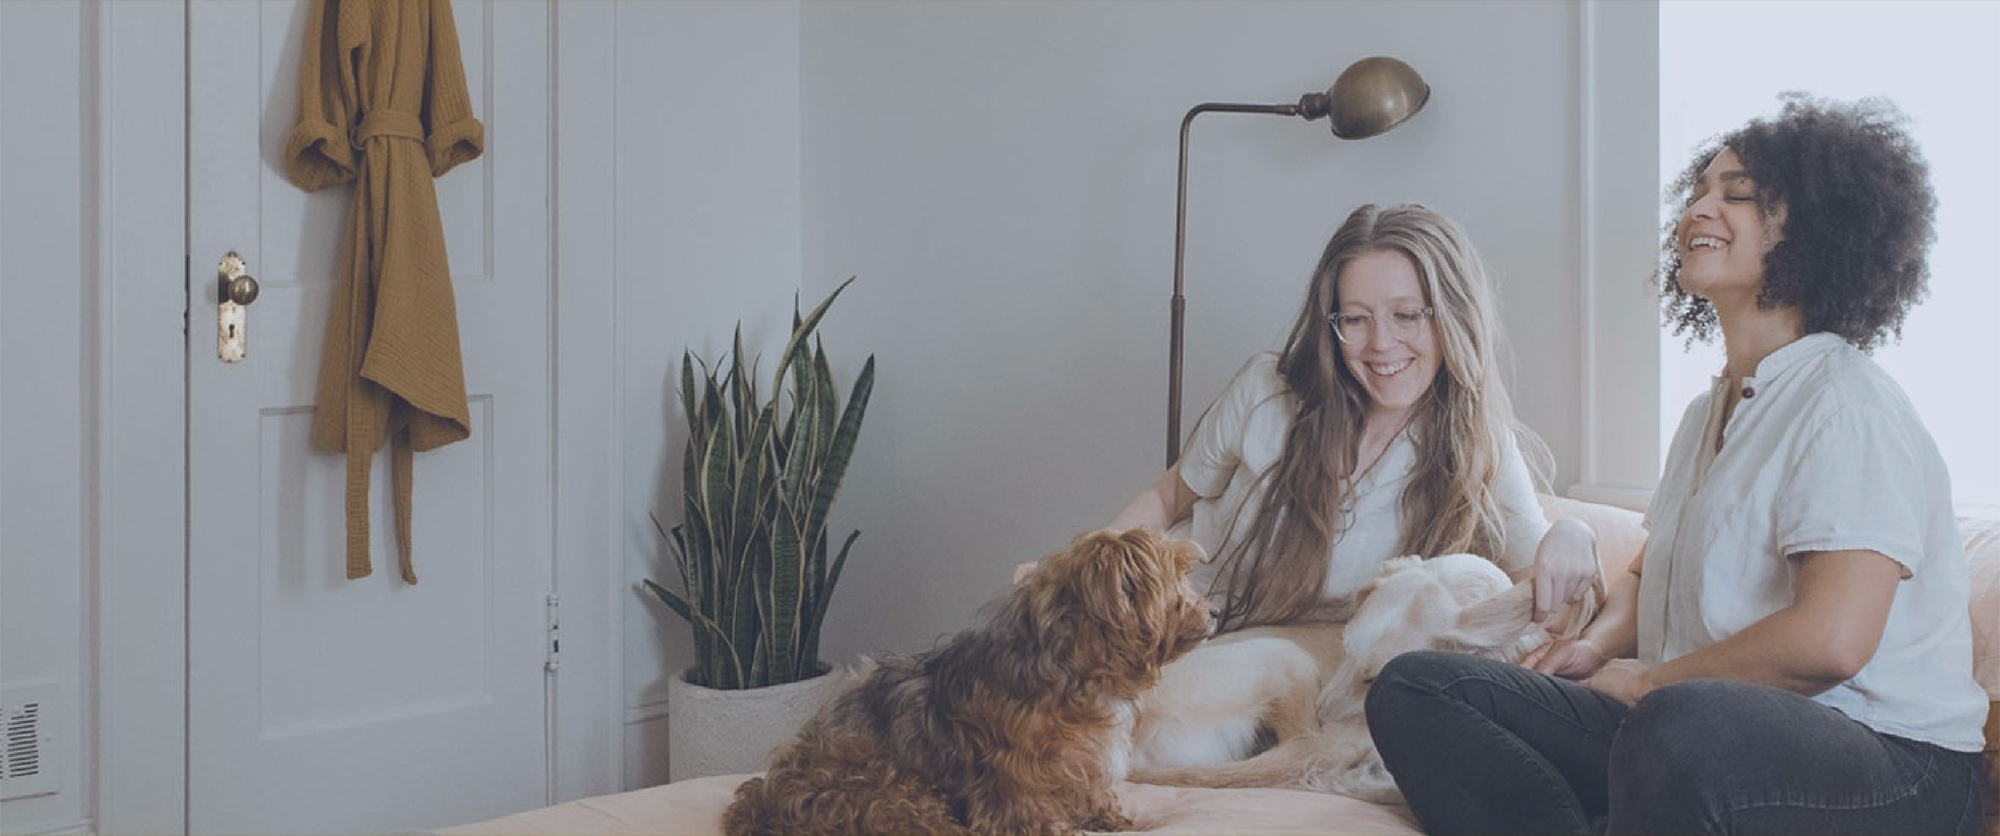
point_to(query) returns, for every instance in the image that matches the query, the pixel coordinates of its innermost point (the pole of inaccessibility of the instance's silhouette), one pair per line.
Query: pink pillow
(1981, 527)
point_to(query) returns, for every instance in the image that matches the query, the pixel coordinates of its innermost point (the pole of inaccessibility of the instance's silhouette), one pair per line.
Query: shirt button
(1749, 392)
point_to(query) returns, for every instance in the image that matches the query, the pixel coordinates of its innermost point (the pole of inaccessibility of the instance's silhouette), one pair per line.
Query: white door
(315, 703)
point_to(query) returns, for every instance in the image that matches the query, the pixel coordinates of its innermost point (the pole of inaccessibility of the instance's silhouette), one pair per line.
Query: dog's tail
(749, 813)
(1502, 626)
(1283, 765)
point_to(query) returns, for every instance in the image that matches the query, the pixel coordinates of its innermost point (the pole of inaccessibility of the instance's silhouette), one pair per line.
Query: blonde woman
(1381, 429)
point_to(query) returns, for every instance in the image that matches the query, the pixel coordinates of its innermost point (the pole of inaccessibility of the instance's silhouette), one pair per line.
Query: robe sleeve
(452, 134)
(318, 152)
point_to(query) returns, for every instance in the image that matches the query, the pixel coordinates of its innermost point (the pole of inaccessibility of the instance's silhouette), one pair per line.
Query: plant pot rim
(821, 671)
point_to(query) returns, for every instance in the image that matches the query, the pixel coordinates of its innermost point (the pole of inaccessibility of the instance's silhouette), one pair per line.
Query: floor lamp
(1370, 97)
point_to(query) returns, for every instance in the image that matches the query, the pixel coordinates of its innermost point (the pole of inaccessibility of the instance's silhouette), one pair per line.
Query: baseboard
(645, 745)
(77, 827)
(646, 712)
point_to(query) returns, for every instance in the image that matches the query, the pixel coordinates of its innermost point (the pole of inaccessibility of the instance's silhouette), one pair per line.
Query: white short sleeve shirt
(1822, 453)
(1239, 440)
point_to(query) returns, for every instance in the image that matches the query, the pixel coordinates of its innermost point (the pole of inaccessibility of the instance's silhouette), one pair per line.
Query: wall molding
(77, 827)
(1618, 164)
(650, 711)
(587, 738)
(138, 509)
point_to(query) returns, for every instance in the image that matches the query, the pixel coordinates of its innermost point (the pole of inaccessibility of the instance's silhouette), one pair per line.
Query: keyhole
(232, 330)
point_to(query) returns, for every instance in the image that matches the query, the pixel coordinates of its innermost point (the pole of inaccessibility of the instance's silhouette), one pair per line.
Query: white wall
(707, 232)
(1001, 177)
(46, 385)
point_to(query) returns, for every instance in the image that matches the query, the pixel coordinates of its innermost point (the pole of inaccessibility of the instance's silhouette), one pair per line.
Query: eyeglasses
(1355, 329)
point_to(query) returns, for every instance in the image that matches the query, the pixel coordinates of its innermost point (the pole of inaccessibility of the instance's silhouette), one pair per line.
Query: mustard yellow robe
(383, 104)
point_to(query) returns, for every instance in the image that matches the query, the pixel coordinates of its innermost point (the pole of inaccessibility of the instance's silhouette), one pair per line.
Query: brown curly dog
(1018, 726)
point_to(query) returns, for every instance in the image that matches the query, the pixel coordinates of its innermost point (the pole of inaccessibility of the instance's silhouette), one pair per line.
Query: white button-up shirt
(1237, 443)
(1823, 452)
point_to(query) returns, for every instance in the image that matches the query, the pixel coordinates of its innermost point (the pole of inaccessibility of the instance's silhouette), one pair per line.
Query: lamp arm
(1178, 318)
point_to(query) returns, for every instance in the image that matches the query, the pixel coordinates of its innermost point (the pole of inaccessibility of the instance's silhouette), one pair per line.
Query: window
(1723, 64)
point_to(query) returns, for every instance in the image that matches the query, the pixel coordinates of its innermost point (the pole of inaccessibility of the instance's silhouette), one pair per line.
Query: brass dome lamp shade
(1372, 96)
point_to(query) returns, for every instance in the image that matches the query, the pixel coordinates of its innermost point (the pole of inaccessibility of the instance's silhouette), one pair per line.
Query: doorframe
(589, 733)
(139, 234)
(144, 318)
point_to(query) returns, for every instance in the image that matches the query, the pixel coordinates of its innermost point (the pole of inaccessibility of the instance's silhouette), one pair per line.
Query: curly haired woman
(1791, 652)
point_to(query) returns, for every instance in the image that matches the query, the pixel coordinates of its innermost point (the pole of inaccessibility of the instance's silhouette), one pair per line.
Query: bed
(695, 805)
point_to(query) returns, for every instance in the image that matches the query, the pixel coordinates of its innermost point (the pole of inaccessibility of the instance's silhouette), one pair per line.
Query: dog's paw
(1110, 821)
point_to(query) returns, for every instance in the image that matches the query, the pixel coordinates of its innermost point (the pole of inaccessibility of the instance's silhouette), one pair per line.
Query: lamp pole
(1371, 96)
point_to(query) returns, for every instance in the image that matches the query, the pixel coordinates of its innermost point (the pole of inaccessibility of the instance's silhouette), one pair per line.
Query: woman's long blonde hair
(1275, 572)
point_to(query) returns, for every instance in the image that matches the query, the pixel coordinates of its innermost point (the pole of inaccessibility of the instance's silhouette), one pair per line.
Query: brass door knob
(243, 289)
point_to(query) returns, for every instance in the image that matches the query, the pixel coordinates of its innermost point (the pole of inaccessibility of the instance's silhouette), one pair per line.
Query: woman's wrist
(1645, 682)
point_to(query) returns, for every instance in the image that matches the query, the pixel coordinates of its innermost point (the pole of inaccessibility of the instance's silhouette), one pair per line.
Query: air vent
(26, 732)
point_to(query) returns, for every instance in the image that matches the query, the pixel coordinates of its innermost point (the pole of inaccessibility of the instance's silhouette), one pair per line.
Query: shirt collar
(1790, 355)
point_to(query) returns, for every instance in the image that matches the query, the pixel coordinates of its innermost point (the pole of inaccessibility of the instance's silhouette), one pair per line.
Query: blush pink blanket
(695, 807)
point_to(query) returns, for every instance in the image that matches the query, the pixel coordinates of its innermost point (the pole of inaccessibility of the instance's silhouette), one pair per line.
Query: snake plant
(759, 476)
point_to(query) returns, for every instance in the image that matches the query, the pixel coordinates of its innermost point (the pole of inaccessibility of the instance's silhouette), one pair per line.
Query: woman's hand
(1565, 567)
(1567, 658)
(1623, 680)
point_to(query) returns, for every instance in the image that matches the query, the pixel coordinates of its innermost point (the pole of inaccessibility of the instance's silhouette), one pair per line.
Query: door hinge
(554, 610)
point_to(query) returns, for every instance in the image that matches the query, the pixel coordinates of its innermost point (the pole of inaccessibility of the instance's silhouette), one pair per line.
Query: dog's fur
(1018, 726)
(1297, 689)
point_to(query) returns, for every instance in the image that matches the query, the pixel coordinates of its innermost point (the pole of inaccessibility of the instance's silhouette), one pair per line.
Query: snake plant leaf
(711, 397)
(784, 587)
(672, 601)
(694, 617)
(717, 468)
(679, 544)
(803, 401)
(743, 620)
(804, 328)
(844, 437)
(742, 387)
(688, 403)
(829, 405)
(700, 559)
(800, 457)
(751, 485)
(761, 673)
(826, 595)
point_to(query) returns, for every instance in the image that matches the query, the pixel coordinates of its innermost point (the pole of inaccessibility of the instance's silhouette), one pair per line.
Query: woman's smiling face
(1724, 234)
(1395, 364)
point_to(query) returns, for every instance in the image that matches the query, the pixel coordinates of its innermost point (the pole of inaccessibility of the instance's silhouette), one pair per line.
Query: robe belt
(387, 123)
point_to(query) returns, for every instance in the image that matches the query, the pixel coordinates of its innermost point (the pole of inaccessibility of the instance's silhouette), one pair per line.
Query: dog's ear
(1111, 568)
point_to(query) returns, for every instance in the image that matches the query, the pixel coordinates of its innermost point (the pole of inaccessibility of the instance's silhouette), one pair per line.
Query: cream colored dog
(1295, 691)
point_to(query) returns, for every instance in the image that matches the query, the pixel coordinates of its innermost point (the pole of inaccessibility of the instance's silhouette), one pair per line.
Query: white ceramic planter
(714, 732)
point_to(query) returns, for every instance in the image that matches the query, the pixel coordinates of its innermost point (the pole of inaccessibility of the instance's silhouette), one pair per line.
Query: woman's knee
(1704, 712)
(1678, 734)
(1416, 672)
(1416, 678)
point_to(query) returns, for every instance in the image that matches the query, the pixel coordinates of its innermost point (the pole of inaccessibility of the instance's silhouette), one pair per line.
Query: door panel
(319, 704)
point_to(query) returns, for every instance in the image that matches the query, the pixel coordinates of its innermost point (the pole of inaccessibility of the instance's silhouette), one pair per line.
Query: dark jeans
(1479, 746)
